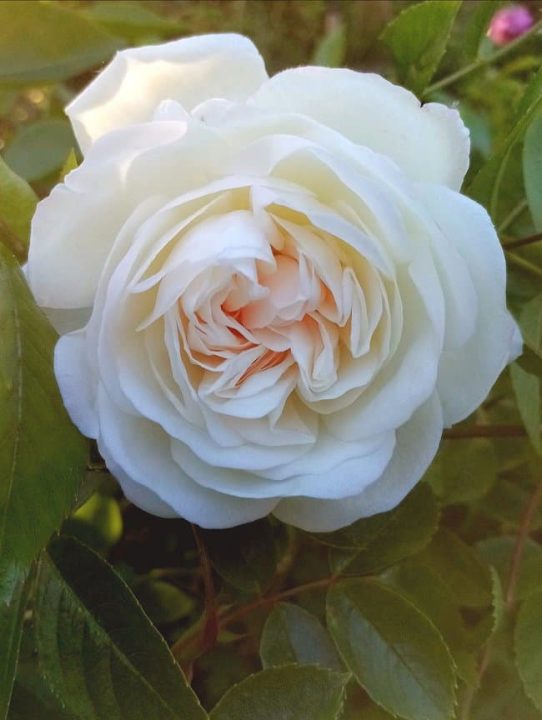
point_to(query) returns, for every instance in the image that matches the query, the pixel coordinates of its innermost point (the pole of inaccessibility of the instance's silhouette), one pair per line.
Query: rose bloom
(509, 23)
(273, 296)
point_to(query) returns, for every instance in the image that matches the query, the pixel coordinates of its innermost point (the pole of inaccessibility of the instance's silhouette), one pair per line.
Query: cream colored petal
(141, 450)
(466, 374)
(417, 444)
(429, 142)
(189, 71)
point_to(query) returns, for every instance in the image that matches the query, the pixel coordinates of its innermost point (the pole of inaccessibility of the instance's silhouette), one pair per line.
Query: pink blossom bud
(509, 23)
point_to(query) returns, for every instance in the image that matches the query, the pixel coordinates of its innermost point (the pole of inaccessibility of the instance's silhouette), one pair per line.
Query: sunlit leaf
(17, 205)
(40, 149)
(42, 455)
(331, 50)
(418, 38)
(63, 43)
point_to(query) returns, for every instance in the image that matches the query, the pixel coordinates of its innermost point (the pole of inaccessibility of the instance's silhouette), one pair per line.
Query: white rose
(284, 296)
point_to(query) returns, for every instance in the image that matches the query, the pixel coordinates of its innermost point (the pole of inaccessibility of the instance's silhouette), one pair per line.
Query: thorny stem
(510, 593)
(225, 618)
(471, 691)
(205, 638)
(240, 613)
(483, 62)
(519, 548)
(484, 431)
(210, 625)
(521, 242)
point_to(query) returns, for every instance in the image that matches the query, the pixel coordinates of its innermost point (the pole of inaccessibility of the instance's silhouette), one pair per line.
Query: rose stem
(478, 64)
(244, 610)
(519, 548)
(484, 431)
(521, 242)
(206, 637)
(189, 643)
(510, 594)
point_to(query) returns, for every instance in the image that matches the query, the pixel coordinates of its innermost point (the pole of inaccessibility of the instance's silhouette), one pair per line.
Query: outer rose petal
(467, 374)
(190, 71)
(77, 382)
(75, 227)
(141, 450)
(417, 444)
(430, 143)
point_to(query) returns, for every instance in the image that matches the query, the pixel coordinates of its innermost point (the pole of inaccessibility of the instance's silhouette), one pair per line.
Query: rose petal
(77, 382)
(467, 374)
(190, 71)
(141, 450)
(416, 446)
(430, 142)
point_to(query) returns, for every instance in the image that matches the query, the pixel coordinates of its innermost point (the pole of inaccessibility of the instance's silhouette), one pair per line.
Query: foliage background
(441, 616)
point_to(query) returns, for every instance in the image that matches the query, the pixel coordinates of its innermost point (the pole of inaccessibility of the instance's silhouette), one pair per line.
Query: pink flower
(509, 23)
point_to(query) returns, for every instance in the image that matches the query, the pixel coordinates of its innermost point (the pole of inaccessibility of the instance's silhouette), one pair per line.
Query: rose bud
(509, 23)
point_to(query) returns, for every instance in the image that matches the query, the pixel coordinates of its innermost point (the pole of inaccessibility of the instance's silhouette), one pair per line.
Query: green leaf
(527, 391)
(246, 556)
(506, 502)
(131, 21)
(528, 647)
(63, 43)
(532, 169)
(17, 205)
(530, 362)
(498, 606)
(25, 705)
(463, 472)
(394, 651)
(293, 635)
(530, 321)
(418, 38)
(475, 30)
(419, 504)
(428, 593)
(382, 540)
(291, 692)
(499, 550)
(40, 149)
(331, 50)
(13, 595)
(459, 568)
(98, 522)
(70, 163)
(526, 384)
(32, 698)
(97, 649)
(163, 602)
(486, 184)
(42, 455)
